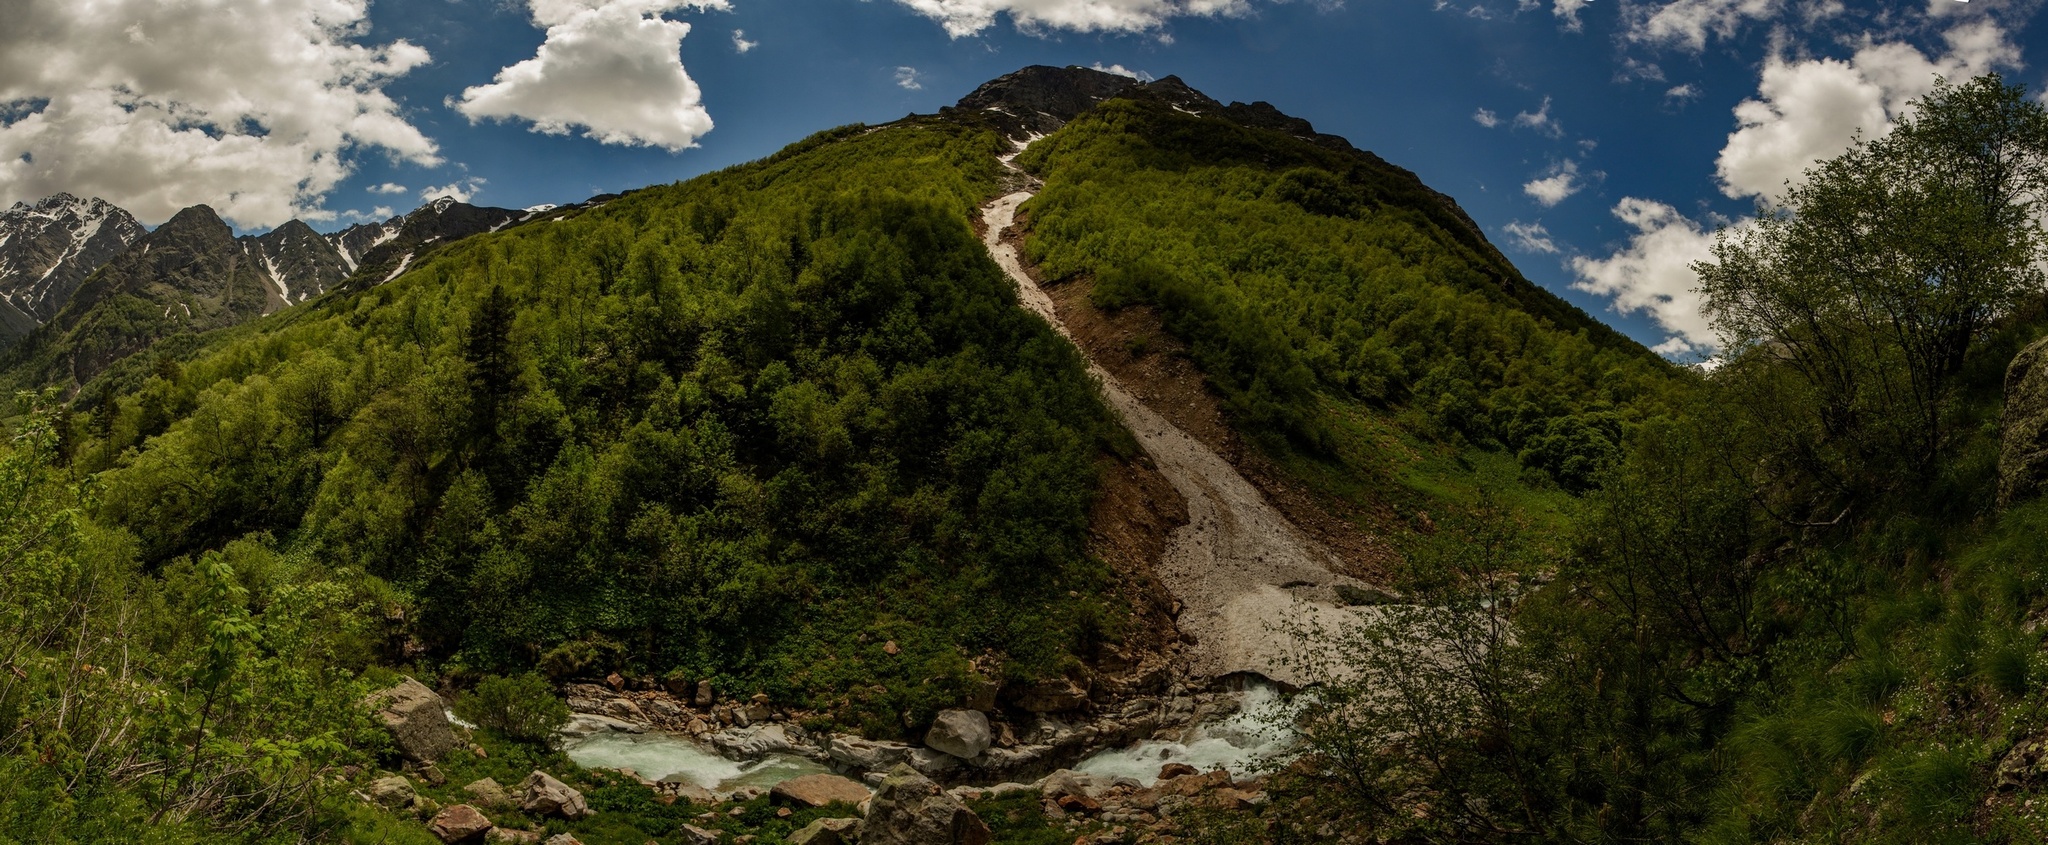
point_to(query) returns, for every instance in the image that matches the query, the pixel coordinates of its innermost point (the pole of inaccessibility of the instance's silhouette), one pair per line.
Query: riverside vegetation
(784, 427)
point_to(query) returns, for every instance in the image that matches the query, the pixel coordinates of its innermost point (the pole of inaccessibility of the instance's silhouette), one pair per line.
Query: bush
(521, 707)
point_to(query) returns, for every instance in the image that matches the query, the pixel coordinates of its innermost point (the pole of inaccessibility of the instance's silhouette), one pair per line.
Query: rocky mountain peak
(1039, 99)
(47, 248)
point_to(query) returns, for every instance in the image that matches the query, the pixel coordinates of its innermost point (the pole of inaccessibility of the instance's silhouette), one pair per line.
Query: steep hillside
(752, 426)
(1354, 324)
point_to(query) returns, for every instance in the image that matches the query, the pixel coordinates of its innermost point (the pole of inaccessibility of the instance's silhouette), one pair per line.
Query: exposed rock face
(818, 791)
(2023, 446)
(460, 823)
(542, 795)
(1039, 99)
(417, 719)
(961, 733)
(909, 809)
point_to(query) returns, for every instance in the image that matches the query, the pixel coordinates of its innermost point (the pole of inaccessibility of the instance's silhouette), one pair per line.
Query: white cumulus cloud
(389, 188)
(612, 67)
(257, 109)
(962, 18)
(1555, 188)
(1807, 111)
(740, 42)
(1486, 117)
(461, 190)
(1653, 272)
(906, 78)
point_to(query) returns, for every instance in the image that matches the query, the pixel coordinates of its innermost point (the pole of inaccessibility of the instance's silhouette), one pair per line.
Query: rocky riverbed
(721, 745)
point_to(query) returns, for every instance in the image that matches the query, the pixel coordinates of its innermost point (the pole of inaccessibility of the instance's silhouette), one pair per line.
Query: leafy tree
(1873, 280)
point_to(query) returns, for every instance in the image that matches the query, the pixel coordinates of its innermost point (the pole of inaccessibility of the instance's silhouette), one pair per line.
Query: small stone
(460, 823)
(705, 695)
(1174, 770)
(694, 835)
(1083, 804)
(432, 774)
(617, 683)
(563, 839)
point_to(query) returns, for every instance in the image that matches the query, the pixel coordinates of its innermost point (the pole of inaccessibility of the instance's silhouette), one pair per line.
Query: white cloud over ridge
(1807, 111)
(962, 18)
(1531, 237)
(1653, 273)
(461, 190)
(154, 105)
(610, 67)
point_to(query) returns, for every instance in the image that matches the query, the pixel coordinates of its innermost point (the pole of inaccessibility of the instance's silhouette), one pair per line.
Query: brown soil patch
(1159, 371)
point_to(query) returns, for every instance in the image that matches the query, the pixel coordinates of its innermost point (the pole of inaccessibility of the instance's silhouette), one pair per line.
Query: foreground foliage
(1795, 611)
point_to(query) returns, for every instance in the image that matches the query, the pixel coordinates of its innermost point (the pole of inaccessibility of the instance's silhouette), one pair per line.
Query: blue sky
(1597, 142)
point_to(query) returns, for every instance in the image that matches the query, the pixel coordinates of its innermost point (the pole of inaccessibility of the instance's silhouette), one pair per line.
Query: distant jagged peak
(59, 204)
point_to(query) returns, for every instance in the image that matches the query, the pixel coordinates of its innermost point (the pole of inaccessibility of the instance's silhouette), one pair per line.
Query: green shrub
(520, 707)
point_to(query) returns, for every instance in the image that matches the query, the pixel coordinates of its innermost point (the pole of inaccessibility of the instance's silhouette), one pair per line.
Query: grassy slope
(1353, 330)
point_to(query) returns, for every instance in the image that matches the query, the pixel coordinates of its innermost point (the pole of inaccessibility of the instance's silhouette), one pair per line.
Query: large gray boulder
(417, 719)
(909, 809)
(542, 795)
(2023, 437)
(961, 733)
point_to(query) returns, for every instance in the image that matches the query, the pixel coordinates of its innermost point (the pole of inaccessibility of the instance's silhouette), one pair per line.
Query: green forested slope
(1325, 293)
(734, 428)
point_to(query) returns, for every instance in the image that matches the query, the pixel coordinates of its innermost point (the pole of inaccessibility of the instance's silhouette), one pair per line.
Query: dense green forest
(751, 428)
(1333, 301)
